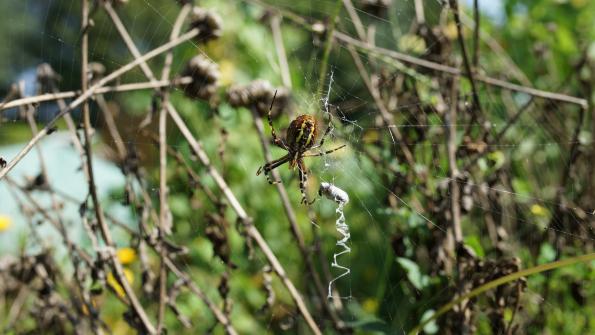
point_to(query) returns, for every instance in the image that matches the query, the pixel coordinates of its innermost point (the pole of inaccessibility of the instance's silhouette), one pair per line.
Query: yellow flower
(450, 31)
(113, 282)
(370, 305)
(412, 43)
(126, 255)
(5, 223)
(538, 210)
(226, 69)
(578, 3)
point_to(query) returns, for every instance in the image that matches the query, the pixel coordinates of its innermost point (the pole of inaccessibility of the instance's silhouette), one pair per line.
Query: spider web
(379, 213)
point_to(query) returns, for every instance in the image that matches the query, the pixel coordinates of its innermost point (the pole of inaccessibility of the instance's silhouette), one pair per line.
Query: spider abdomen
(301, 134)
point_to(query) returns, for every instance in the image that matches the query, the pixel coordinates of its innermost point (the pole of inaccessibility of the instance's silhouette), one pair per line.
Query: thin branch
(165, 217)
(419, 12)
(476, 18)
(468, 71)
(105, 89)
(119, 271)
(126, 37)
(328, 45)
(455, 192)
(280, 48)
(357, 23)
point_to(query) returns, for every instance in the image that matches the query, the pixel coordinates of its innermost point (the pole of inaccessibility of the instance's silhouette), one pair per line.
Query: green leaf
(413, 273)
(431, 327)
(474, 243)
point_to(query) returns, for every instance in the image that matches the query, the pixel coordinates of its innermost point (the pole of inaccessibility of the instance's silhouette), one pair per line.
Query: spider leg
(326, 132)
(324, 153)
(278, 142)
(268, 167)
(303, 175)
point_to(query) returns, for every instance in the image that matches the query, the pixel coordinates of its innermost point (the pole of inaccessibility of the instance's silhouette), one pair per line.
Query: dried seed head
(47, 77)
(205, 75)
(207, 22)
(375, 7)
(96, 71)
(258, 95)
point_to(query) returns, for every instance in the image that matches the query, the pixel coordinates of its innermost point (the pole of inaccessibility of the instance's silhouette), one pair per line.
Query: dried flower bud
(205, 75)
(46, 77)
(96, 71)
(375, 7)
(258, 95)
(207, 22)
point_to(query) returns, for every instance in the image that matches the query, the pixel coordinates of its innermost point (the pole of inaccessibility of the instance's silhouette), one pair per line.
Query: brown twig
(165, 217)
(105, 89)
(106, 234)
(280, 48)
(455, 192)
(476, 18)
(469, 72)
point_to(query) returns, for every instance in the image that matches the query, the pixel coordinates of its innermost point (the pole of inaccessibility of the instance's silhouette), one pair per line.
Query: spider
(301, 138)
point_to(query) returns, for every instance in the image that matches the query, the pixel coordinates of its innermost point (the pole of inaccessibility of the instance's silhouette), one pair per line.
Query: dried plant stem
(83, 97)
(165, 217)
(476, 18)
(419, 12)
(250, 228)
(328, 45)
(469, 72)
(357, 23)
(59, 96)
(455, 192)
(295, 230)
(106, 234)
(280, 48)
(126, 37)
